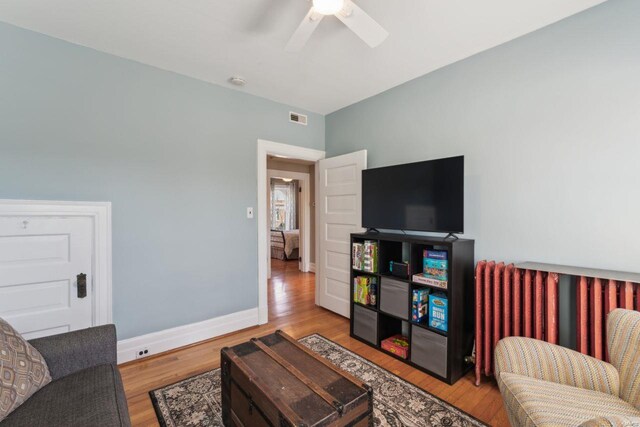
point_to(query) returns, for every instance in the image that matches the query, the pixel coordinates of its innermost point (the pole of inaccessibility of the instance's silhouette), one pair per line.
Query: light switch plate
(249, 213)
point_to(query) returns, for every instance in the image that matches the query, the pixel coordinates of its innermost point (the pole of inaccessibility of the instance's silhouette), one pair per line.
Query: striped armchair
(547, 385)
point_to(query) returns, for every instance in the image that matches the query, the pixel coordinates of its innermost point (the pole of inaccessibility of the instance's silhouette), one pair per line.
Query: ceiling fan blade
(304, 31)
(362, 24)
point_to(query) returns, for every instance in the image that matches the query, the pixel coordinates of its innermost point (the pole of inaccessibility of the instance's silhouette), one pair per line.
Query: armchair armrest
(549, 362)
(613, 421)
(74, 351)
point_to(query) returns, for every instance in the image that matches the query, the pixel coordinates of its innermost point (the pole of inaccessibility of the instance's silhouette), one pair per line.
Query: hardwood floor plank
(292, 308)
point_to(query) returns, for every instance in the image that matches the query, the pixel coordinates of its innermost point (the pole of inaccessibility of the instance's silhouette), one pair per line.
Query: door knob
(82, 285)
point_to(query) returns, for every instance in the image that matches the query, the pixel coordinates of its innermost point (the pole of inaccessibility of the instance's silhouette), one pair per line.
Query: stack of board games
(397, 344)
(420, 305)
(438, 311)
(365, 290)
(365, 256)
(435, 265)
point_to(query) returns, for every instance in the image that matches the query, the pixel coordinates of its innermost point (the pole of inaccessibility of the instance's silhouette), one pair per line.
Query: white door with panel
(339, 214)
(41, 258)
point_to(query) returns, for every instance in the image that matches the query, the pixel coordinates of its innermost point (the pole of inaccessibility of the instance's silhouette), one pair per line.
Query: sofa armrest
(549, 362)
(613, 421)
(74, 351)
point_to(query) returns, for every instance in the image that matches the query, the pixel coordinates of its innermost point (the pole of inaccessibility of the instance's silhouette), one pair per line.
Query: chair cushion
(23, 370)
(91, 397)
(535, 402)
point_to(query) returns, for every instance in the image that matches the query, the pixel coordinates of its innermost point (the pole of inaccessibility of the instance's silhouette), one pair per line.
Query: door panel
(40, 258)
(18, 300)
(17, 250)
(339, 214)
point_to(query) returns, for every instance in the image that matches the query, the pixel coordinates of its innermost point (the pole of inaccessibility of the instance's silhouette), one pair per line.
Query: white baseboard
(169, 339)
(312, 267)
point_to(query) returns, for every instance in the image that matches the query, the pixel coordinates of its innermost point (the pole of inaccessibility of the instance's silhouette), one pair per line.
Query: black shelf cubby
(436, 352)
(389, 326)
(392, 251)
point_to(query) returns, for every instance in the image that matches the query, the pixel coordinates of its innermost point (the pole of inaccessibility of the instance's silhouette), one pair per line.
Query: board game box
(438, 311)
(397, 344)
(426, 280)
(420, 305)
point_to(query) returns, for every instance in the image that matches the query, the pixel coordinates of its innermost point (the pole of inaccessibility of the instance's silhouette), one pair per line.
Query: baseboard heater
(526, 300)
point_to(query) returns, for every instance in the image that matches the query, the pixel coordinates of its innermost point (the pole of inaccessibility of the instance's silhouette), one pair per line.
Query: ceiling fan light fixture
(328, 7)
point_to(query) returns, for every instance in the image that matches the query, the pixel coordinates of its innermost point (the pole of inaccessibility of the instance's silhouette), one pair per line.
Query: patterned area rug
(196, 400)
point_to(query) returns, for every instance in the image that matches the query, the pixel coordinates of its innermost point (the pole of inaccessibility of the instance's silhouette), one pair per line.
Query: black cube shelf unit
(440, 354)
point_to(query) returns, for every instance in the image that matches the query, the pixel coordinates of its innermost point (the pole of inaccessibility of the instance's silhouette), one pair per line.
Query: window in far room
(284, 198)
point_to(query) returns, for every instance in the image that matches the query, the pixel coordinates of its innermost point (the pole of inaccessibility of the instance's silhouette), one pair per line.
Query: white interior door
(40, 258)
(339, 214)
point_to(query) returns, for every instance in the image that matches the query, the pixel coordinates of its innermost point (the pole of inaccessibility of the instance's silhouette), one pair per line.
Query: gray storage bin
(365, 324)
(394, 297)
(429, 350)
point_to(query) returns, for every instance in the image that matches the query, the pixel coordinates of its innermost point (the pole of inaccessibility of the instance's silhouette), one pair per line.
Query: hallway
(289, 289)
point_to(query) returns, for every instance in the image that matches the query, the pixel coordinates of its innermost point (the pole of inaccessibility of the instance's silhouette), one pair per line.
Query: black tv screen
(422, 196)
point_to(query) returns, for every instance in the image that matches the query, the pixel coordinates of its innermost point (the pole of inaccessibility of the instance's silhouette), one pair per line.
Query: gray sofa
(86, 388)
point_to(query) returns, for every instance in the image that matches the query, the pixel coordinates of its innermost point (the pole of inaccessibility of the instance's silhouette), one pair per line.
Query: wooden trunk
(275, 381)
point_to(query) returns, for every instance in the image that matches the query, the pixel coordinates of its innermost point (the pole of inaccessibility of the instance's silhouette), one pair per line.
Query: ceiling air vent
(301, 119)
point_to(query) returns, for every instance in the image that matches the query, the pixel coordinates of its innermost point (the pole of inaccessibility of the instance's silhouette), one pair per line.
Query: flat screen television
(422, 196)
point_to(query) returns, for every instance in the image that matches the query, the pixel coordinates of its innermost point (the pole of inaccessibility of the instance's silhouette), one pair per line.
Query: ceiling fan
(345, 10)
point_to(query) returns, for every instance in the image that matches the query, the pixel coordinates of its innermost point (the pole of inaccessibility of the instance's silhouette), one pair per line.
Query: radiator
(520, 302)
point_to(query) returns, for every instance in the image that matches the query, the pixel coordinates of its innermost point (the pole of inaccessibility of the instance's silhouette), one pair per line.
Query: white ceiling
(213, 40)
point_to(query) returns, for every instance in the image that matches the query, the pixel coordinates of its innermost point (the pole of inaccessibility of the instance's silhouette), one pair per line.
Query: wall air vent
(300, 119)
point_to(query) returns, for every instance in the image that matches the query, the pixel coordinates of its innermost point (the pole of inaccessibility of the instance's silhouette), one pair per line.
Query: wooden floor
(292, 309)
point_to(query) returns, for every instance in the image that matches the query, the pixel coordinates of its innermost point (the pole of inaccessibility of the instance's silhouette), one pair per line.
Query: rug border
(400, 378)
(162, 422)
(156, 406)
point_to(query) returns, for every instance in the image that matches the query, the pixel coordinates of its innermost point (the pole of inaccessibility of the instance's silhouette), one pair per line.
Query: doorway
(277, 160)
(339, 209)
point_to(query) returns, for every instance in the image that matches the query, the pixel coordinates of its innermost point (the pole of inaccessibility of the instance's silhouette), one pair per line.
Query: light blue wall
(550, 127)
(175, 156)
